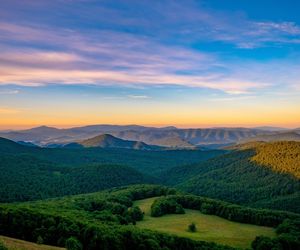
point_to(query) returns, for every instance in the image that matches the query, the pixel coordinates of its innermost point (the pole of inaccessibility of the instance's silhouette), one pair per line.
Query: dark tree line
(288, 237)
(222, 209)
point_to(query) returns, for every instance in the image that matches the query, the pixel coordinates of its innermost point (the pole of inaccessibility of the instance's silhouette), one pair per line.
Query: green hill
(256, 174)
(30, 173)
(145, 161)
(8, 146)
(24, 177)
(109, 220)
(15, 244)
(109, 141)
(281, 157)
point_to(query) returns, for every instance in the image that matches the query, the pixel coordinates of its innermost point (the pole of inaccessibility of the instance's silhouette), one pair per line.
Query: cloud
(285, 27)
(9, 92)
(153, 50)
(114, 58)
(8, 111)
(232, 98)
(138, 96)
(37, 77)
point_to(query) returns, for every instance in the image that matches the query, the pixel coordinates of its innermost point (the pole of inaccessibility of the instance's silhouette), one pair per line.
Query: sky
(205, 63)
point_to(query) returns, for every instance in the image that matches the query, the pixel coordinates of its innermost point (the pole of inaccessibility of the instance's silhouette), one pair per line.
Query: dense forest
(150, 162)
(281, 157)
(24, 177)
(106, 220)
(238, 176)
(30, 173)
(243, 175)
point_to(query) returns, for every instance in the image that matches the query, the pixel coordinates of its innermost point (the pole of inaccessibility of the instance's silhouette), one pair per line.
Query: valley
(209, 227)
(107, 189)
(112, 219)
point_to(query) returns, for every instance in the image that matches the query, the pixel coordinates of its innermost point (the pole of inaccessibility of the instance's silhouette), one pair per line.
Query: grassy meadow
(209, 227)
(15, 244)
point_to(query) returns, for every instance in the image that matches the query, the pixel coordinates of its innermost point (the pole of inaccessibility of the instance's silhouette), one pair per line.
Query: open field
(209, 227)
(15, 244)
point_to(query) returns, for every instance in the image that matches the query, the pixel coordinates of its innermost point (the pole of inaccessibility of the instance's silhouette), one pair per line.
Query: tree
(192, 227)
(73, 244)
(39, 240)
(136, 213)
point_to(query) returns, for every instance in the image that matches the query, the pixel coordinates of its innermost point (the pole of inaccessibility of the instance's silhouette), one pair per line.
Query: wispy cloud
(118, 58)
(8, 111)
(139, 96)
(153, 50)
(9, 92)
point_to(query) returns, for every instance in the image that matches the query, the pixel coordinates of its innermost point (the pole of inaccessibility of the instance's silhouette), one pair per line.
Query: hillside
(8, 146)
(30, 173)
(190, 137)
(259, 174)
(25, 177)
(281, 136)
(109, 141)
(146, 161)
(110, 220)
(281, 157)
(15, 244)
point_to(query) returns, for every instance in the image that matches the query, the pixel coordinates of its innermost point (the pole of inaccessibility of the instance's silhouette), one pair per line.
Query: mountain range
(109, 141)
(144, 136)
(258, 174)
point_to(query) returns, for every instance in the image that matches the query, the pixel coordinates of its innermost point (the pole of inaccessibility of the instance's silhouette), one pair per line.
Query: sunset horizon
(201, 64)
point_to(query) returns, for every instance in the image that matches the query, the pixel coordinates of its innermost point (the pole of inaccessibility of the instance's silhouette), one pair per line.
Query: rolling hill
(112, 220)
(109, 141)
(25, 177)
(257, 174)
(281, 136)
(15, 244)
(146, 161)
(29, 173)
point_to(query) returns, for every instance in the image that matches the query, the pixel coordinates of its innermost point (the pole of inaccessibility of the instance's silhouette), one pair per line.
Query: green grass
(15, 244)
(209, 227)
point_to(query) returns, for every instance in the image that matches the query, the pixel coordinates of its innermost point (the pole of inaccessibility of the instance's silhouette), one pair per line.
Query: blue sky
(150, 62)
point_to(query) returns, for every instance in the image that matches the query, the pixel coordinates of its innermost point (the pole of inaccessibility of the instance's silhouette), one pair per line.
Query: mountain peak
(110, 141)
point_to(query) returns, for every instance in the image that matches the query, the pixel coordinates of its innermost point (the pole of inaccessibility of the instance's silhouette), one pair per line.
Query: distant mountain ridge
(109, 141)
(281, 136)
(166, 136)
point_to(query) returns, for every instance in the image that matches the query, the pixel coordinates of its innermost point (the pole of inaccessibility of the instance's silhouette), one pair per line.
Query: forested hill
(109, 141)
(24, 177)
(8, 146)
(105, 220)
(256, 174)
(282, 157)
(29, 173)
(146, 161)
